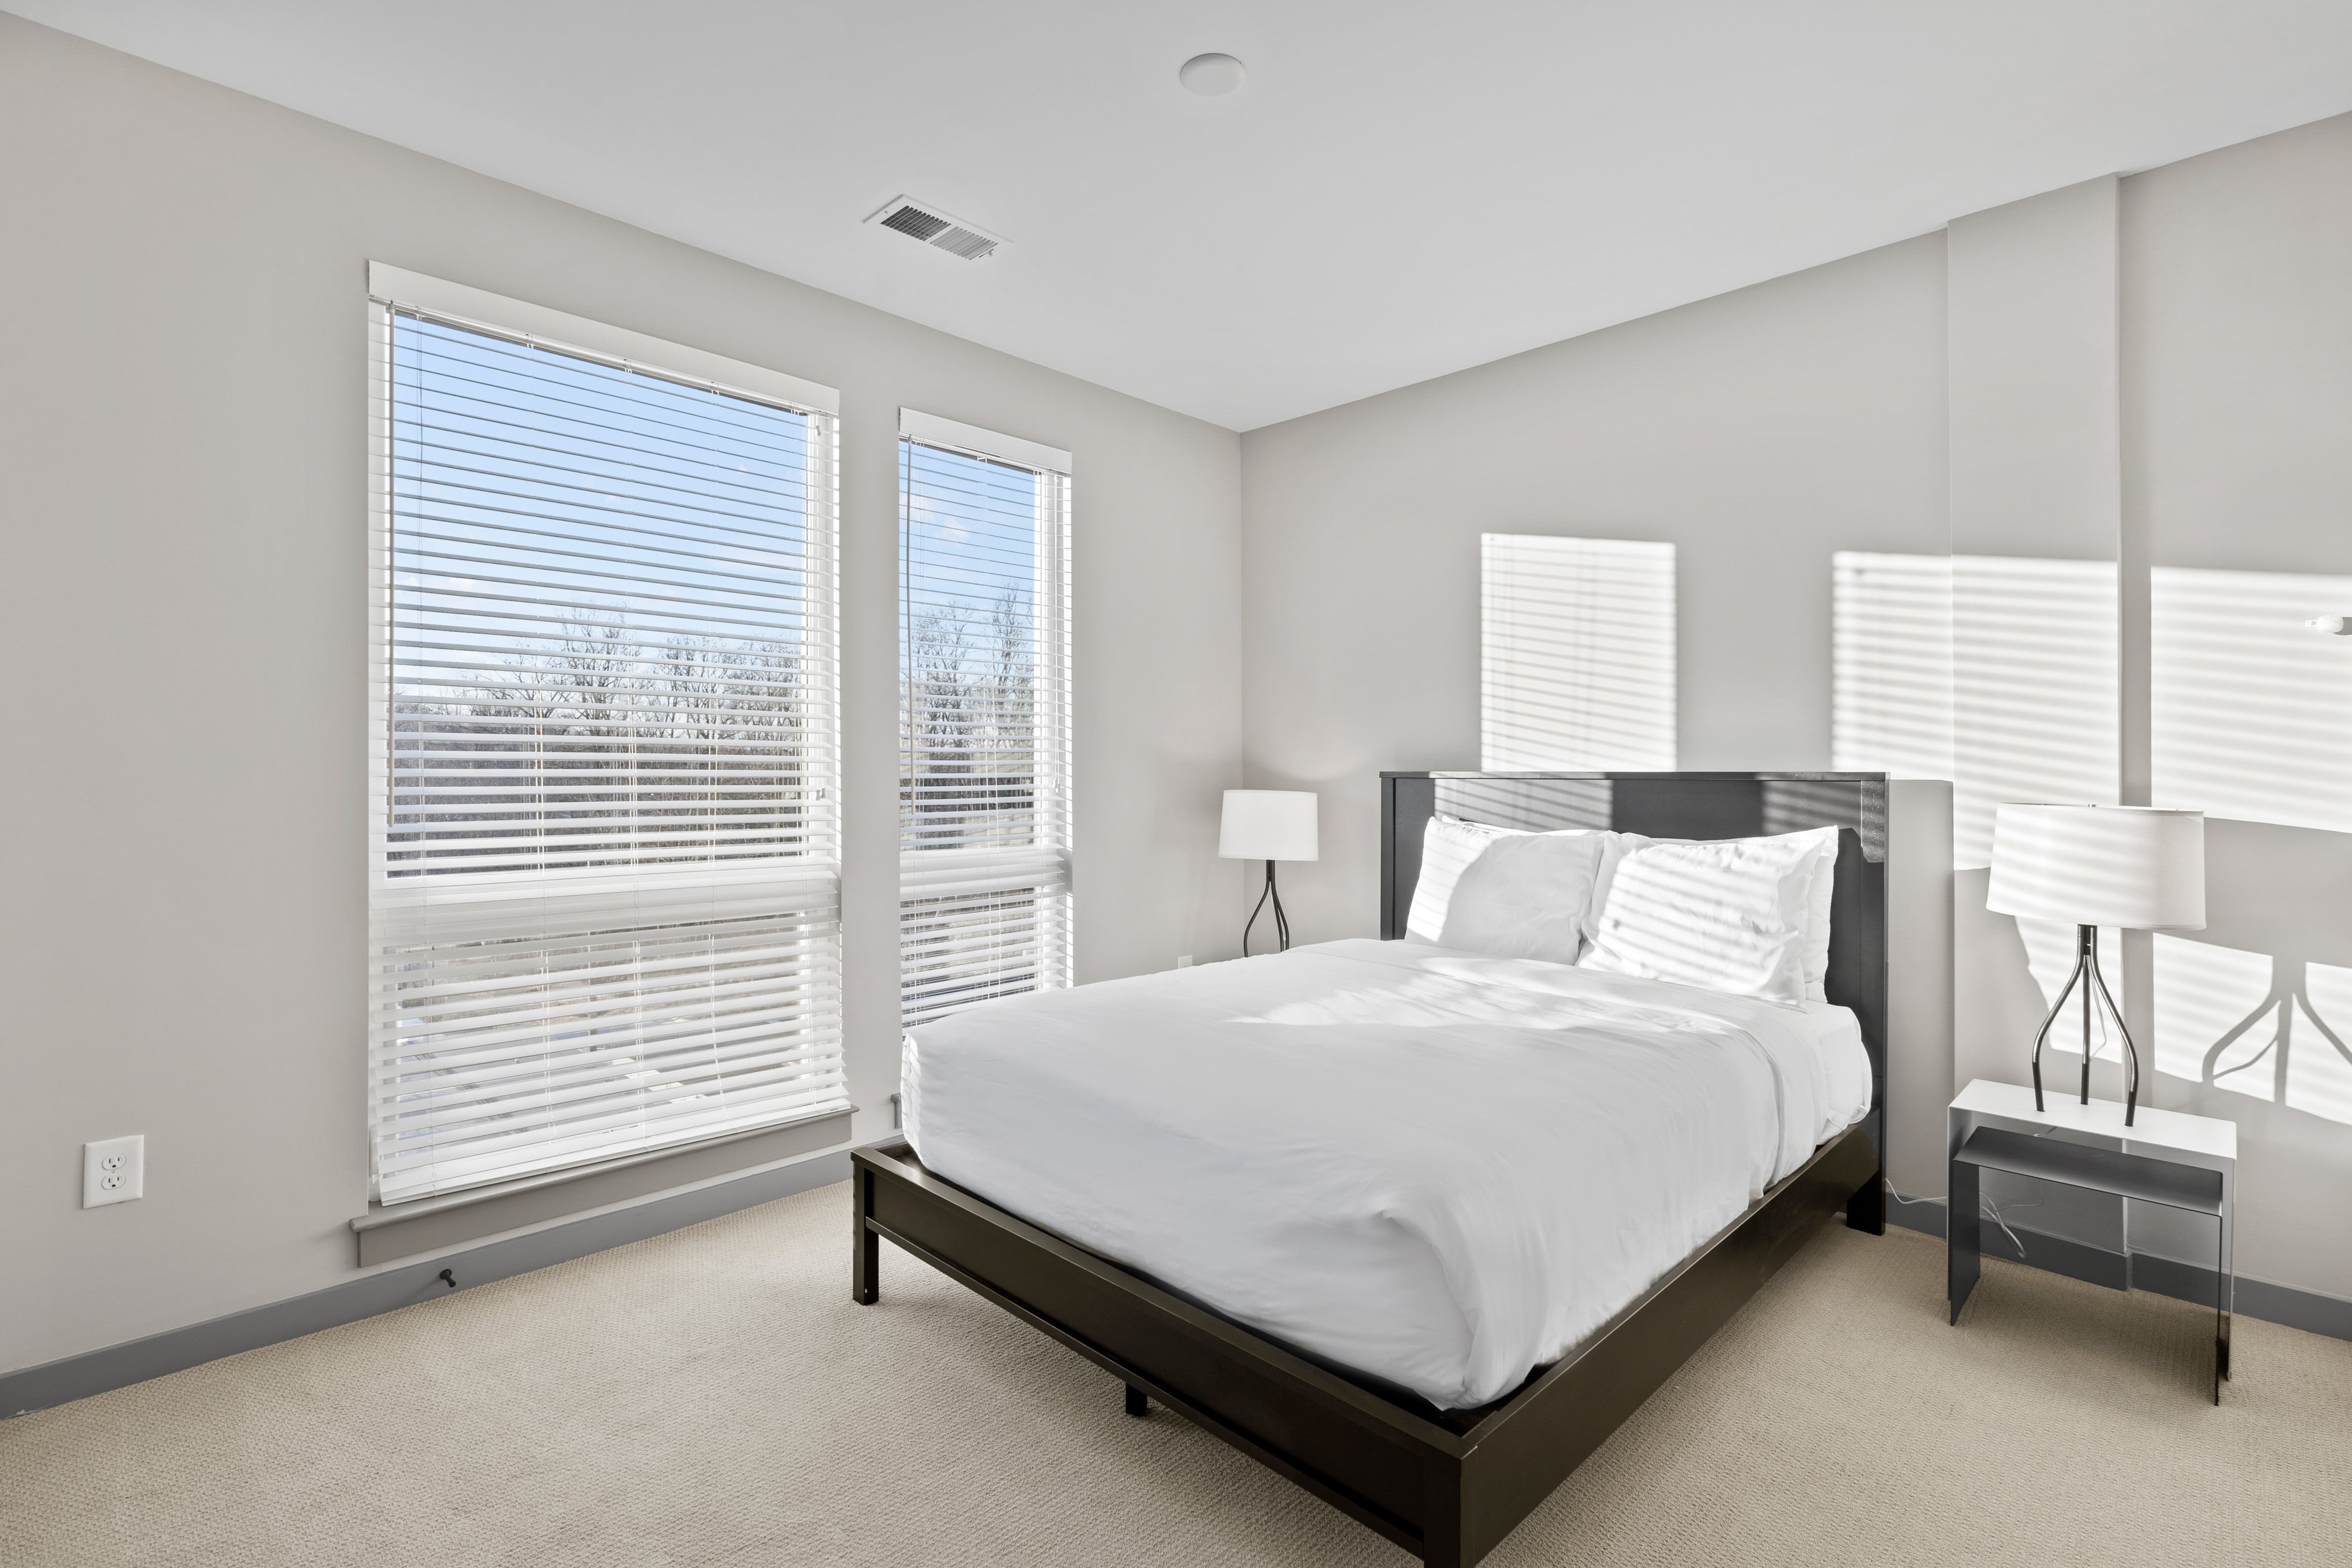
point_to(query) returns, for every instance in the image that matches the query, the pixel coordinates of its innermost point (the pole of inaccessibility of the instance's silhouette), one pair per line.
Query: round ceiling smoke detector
(1210, 75)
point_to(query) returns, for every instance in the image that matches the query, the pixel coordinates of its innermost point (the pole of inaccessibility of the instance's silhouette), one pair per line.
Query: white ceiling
(1400, 189)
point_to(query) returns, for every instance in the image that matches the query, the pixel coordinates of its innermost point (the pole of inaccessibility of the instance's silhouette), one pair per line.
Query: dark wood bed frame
(1447, 1486)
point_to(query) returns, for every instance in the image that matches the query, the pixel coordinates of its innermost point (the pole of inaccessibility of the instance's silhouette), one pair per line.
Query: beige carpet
(712, 1397)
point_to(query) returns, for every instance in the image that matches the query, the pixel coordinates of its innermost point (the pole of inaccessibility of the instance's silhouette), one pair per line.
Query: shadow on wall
(2251, 1023)
(2011, 970)
(2253, 724)
(2251, 1016)
(2000, 674)
(2013, 660)
(2259, 1002)
(2004, 672)
(1996, 671)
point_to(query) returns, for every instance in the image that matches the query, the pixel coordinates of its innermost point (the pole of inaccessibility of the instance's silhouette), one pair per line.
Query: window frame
(816, 876)
(928, 874)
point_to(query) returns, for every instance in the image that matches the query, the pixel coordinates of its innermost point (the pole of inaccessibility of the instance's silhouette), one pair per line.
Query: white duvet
(1438, 1169)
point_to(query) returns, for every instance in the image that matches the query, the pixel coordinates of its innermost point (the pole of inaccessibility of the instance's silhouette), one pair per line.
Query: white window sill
(423, 1225)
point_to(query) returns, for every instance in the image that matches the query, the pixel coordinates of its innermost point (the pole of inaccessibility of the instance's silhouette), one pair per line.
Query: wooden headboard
(1681, 806)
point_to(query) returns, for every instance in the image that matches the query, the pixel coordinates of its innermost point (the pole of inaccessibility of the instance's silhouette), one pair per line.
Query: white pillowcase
(1734, 916)
(1817, 930)
(1505, 893)
(1612, 855)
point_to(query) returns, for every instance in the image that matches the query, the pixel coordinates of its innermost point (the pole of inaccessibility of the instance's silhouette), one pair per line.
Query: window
(984, 718)
(1576, 653)
(603, 881)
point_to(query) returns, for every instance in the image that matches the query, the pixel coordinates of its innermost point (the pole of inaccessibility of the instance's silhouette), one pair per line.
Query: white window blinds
(603, 875)
(1576, 653)
(984, 684)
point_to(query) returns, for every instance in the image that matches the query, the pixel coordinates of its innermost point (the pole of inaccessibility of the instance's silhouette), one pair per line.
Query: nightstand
(2188, 1163)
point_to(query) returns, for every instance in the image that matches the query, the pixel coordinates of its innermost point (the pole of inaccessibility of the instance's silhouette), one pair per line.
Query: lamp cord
(1985, 1205)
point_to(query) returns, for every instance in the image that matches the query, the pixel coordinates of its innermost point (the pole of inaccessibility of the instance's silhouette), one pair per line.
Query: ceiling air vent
(934, 227)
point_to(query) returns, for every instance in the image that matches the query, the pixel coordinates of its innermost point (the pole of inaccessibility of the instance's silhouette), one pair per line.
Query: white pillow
(1817, 927)
(1731, 915)
(1505, 893)
(1612, 855)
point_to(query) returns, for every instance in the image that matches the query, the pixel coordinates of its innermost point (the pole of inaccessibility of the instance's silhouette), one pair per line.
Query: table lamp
(2090, 866)
(1268, 825)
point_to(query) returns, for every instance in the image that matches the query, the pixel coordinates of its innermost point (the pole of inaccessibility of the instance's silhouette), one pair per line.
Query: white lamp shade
(2099, 866)
(1268, 825)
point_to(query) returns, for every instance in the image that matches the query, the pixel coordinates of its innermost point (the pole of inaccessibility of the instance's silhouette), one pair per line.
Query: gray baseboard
(174, 1350)
(2307, 1310)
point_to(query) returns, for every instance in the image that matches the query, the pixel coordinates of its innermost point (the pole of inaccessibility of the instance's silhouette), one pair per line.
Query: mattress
(1440, 1169)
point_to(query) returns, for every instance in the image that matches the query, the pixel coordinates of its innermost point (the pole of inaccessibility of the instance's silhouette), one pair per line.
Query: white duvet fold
(1438, 1169)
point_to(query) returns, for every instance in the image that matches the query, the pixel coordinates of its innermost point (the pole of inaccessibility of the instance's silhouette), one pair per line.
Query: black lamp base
(1281, 921)
(2094, 985)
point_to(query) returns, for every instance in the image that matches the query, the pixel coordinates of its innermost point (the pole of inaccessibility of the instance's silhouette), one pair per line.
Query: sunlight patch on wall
(1576, 654)
(2252, 713)
(2319, 1068)
(2271, 1027)
(2034, 693)
(2203, 993)
(1891, 664)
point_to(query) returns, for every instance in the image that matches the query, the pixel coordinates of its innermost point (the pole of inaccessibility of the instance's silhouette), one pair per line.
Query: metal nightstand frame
(2181, 1161)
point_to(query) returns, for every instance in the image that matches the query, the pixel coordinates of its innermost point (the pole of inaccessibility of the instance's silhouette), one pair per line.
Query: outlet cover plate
(113, 1171)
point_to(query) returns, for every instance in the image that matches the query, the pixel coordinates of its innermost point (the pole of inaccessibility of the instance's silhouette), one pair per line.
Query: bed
(1311, 1203)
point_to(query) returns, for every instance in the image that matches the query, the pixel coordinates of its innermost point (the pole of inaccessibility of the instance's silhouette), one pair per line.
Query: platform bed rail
(1447, 1486)
(1446, 1494)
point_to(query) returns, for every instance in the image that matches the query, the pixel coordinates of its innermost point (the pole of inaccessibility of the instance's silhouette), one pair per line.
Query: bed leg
(1138, 1403)
(1442, 1543)
(864, 1247)
(1866, 1210)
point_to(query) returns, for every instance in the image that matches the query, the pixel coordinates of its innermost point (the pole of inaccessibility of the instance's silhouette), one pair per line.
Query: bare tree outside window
(604, 748)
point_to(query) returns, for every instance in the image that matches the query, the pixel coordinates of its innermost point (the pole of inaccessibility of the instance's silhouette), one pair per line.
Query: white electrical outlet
(114, 1171)
(1184, 962)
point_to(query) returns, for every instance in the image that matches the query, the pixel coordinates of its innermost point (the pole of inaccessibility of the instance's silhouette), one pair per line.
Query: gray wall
(2036, 474)
(2180, 339)
(1757, 432)
(182, 413)
(2237, 401)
